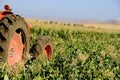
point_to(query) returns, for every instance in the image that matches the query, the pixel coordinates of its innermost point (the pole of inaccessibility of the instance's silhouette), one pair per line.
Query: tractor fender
(5, 13)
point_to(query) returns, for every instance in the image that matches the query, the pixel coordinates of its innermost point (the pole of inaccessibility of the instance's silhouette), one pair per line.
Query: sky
(66, 9)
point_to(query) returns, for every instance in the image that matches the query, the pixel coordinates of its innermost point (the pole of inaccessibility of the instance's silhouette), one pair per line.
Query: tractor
(15, 40)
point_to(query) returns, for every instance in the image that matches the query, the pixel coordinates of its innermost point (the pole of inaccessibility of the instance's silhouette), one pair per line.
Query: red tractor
(14, 40)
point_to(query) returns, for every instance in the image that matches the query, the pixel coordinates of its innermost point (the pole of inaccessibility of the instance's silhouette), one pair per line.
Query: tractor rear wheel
(42, 48)
(14, 41)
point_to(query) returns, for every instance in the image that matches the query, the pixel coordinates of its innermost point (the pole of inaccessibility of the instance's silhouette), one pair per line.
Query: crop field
(79, 53)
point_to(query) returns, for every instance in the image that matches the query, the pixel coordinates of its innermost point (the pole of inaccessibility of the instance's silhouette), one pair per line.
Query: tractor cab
(5, 12)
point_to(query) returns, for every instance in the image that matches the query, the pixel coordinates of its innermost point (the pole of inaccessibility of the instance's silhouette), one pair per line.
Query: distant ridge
(113, 22)
(116, 22)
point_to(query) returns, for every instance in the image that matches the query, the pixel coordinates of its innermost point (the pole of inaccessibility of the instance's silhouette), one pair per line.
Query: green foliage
(77, 55)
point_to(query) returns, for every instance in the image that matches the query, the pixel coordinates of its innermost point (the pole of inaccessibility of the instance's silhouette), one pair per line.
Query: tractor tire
(42, 48)
(14, 41)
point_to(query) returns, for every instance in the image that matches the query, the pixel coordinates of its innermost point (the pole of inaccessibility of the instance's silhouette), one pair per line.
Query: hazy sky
(66, 9)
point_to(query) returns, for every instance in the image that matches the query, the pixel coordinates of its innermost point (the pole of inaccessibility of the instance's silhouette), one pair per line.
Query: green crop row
(82, 55)
(78, 55)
